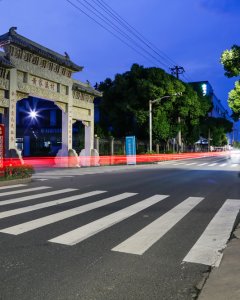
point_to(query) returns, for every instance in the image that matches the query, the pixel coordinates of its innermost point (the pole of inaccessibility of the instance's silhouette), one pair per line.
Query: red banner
(2, 149)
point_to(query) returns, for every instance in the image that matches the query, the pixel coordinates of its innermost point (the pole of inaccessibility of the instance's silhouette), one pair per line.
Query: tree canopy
(230, 60)
(125, 105)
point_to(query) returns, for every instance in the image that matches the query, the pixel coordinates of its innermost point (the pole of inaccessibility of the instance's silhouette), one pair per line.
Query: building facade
(218, 110)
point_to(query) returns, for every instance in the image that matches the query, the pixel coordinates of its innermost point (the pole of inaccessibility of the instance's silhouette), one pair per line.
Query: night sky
(192, 33)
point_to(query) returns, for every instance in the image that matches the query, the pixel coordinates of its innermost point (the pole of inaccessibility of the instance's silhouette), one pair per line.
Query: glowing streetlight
(33, 114)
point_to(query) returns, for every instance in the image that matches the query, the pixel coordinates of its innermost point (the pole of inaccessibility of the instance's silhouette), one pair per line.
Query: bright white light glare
(204, 89)
(33, 114)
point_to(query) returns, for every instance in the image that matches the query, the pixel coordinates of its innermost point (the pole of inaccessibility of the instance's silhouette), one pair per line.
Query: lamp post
(150, 119)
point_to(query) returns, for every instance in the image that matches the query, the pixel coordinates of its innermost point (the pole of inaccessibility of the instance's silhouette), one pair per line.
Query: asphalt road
(136, 245)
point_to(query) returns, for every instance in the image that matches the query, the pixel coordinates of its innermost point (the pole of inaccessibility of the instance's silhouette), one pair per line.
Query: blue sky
(193, 33)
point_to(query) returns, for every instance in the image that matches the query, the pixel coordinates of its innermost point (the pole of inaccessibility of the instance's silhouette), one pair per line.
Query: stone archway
(29, 69)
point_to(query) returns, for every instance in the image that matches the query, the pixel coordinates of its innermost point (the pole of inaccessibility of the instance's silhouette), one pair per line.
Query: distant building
(218, 110)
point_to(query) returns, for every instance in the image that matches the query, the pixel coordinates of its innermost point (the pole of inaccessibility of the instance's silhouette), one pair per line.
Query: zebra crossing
(68, 174)
(205, 164)
(207, 250)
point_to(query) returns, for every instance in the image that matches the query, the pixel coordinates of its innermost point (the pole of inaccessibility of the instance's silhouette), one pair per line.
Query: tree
(217, 127)
(124, 107)
(230, 60)
(234, 99)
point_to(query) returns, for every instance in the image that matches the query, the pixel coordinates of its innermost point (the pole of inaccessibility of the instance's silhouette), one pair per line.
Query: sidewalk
(224, 282)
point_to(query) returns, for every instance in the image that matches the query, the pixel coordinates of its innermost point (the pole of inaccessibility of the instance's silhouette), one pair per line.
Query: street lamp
(150, 115)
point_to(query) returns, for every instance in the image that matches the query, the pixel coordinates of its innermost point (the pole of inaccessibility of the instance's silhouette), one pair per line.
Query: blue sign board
(131, 150)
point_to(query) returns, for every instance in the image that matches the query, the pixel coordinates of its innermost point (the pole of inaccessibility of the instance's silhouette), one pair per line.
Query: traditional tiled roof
(24, 43)
(4, 62)
(86, 89)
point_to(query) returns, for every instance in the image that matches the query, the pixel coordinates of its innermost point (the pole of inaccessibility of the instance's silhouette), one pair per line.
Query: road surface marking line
(23, 210)
(207, 250)
(234, 165)
(24, 191)
(42, 179)
(178, 164)
(37, 223)
(149, 235)
(11, 186)
(77, 235)
(194, 163)
(211, 165)
(222, 165)
(203, 164)
(35, 196)
(51, 177)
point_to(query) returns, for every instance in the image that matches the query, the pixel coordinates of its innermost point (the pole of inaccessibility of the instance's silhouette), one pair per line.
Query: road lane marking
(211, 165)
(37, 223)
(222, 165)
(42, 179)
(51, 177)
(203, 164)
(178, 164)
(22, 210)
(24, 191)
(77, 235)
(234, 165)
(207, 250)
(35, 196)
(11, 186)
(193, 163)
(149, 235)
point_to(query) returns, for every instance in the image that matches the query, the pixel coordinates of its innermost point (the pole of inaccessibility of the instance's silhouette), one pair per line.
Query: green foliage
(234, 98)
(230, 60)
(125, 104)
(236, 145)
(217, 128)
(15, 172)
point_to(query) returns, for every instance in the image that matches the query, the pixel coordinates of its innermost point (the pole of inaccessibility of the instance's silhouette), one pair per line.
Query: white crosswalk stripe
(22, 210)
(35, 196)
(27, 226)
(40, 177)
(145, 238)
(77, 235)
(213, 164)
(222, 165)
(11, 186)
(24, 191)
(207, 249)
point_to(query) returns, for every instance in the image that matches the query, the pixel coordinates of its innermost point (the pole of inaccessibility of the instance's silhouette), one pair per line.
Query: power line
(107, 21)
(118, 20)
(131, 29)
(134, 49)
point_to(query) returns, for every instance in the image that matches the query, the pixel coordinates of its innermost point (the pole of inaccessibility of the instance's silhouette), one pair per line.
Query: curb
(15, 181)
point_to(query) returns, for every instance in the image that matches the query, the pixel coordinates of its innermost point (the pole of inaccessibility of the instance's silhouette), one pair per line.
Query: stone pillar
(88, 140)
(67, 125)
(66, 132)
(96, 143)
(11, 115)
(111, 145)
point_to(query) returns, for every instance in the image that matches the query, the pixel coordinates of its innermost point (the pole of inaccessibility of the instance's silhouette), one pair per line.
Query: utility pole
(177, 70)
